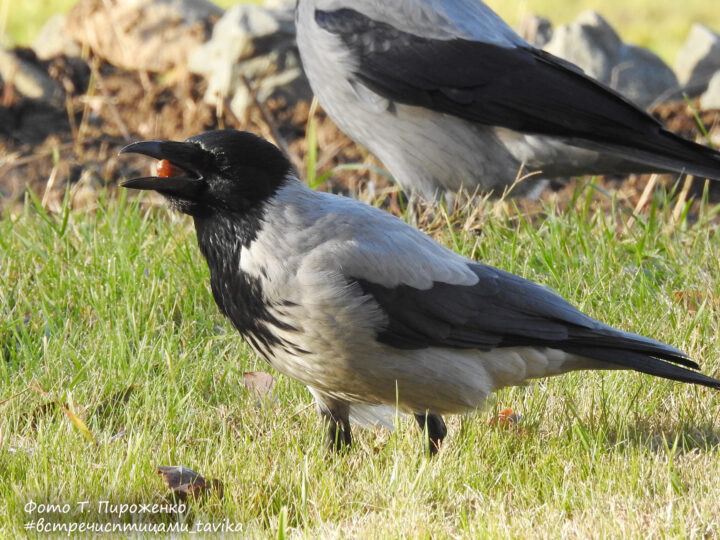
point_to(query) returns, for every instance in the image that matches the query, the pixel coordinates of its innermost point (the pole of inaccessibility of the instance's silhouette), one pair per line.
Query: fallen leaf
(185, 482)
(75, 420)
(694, 299)
(79, 425)
(505, 418)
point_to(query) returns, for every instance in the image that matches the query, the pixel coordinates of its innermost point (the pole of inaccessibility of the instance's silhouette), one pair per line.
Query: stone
(643, 77)
(537, 31)
(711, 98)
(256, 43)
(29, 79)
(698, 59)
(54, 40)
(593, 45)
(146, 35)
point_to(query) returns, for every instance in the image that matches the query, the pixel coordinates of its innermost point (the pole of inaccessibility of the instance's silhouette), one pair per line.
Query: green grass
(660, 26)
(21, 20)
(94, 302)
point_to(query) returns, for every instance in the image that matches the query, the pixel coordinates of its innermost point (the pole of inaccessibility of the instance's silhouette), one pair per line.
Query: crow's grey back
(435, 19)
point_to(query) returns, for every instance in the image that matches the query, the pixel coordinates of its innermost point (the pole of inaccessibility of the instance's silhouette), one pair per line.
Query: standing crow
(448, 96)
(363, 308)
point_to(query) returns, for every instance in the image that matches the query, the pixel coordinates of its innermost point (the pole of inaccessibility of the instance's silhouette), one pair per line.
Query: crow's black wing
(504, 310)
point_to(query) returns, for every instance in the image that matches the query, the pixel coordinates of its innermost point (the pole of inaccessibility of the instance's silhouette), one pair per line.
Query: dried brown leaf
(505, 418)
(75, 420)
(79, 425)
(185, 482)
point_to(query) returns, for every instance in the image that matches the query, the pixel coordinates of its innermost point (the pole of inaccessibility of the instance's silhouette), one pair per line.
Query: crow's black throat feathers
(240, 296)
(224, 180)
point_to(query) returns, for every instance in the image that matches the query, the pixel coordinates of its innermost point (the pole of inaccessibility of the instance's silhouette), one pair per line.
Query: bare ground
(50, 149)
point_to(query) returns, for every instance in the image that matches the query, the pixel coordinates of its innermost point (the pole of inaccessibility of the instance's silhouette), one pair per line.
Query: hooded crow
(364, 309)
(449, 97)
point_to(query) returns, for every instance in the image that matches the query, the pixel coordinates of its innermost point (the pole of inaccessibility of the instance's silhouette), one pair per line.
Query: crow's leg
(337, 415)
(338, 435)
(436, 430)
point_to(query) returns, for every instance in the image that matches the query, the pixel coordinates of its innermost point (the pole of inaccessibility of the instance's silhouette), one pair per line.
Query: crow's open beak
(184, 178)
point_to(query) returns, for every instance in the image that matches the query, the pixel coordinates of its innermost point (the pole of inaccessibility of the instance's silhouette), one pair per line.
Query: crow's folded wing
(364, 272)
(501, 309)
(504, 310)
(515, 87)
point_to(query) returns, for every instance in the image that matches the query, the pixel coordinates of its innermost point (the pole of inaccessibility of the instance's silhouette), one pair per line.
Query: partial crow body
(449, 97)
(364, 309)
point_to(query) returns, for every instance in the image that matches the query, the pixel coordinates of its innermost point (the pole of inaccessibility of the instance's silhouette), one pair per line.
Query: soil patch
(50, 149)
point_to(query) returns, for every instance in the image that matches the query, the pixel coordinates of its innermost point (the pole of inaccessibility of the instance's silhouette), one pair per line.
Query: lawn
(114, 360)
(94, 304)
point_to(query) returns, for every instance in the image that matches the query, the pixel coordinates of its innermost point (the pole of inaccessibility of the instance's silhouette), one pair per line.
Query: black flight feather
(504, 310)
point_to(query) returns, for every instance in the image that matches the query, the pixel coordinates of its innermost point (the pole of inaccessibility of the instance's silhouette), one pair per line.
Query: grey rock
(29, 80)
(711, 98)
(592, 44)
(53, 40)
(148, 35)
(536, 30)
(190, 11)
(698, 59)
(643, 77)
(589, 42)
(258, 44)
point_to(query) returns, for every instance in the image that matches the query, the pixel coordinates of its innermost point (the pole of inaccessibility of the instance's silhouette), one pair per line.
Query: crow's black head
(222, 170)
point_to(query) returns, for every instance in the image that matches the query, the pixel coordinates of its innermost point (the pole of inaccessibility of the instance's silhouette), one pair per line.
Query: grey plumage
(366, 310)
(449, 97)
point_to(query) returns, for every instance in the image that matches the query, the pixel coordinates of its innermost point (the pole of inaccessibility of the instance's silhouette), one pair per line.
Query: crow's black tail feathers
(664, 150)
(645, 363)
(692, 158)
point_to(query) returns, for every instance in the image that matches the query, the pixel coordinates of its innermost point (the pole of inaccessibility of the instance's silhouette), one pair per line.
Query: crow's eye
(165, 169)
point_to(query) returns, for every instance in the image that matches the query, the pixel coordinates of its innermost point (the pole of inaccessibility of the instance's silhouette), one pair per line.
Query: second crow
(448, 96)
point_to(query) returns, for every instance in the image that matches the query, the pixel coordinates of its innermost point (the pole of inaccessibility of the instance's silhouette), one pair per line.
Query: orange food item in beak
(165, 169)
